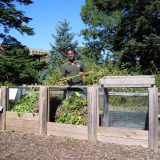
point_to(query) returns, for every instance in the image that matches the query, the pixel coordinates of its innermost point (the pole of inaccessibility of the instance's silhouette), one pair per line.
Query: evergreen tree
(62, 40)
(129, 29)
(10, 18)
(97, 33)
(17, 67)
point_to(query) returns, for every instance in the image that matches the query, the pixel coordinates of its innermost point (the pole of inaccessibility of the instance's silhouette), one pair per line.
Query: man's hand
(66, 78)
(81, 73)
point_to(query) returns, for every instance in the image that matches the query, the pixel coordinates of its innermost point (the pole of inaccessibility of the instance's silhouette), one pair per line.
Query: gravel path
(29, 146)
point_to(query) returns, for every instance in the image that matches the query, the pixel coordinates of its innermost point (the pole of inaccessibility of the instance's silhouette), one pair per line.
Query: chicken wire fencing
(127, 108)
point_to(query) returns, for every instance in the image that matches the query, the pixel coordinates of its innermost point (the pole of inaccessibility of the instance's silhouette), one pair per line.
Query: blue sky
(46, 15)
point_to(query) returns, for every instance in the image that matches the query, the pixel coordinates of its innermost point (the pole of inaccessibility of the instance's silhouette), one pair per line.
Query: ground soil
(29, 146)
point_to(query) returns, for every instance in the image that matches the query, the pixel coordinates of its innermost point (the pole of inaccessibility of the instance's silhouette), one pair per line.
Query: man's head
(70, 54)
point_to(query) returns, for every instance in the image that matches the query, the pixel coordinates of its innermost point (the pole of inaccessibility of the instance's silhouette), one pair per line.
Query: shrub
(73, 110)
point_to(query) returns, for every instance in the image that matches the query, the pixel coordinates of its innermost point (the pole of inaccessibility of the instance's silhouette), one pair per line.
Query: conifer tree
(62, 40)
(17, 67)
(130, 29)
(11, 18)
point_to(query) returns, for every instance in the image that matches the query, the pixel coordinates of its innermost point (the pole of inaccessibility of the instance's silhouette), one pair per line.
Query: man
(73, 70)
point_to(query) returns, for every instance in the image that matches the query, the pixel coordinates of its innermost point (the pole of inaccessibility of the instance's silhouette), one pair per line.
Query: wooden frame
(127, 81)
(147, 81)
(39, 123)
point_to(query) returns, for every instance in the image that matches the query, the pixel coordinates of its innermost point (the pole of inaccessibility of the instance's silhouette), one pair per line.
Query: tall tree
(98, 30)
(131, 30)
(62, 40)
(11, 18)
(17, 67)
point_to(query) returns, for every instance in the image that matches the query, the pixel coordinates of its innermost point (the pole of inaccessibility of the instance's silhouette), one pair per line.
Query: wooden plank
(53, 87)
(103, 100)
(26, 123)
(127, 81)
(126, 85)
(24, 116)
(125, 94)
(153, 118)
(4, 103)
(22, 125)
(22, 129)
(101, 104)
(92, 93)
(106, 108)
(123, 141)
(43, 105)
(53, 93)
(123, 133)
(68, 130)
(123, 136)
(98, 106)
(48, 105)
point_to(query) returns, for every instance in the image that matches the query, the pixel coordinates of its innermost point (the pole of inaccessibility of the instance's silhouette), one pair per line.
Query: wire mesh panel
(122, 119)
(127, 108)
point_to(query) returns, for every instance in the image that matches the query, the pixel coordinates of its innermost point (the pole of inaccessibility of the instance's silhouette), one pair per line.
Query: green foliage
(98, 32)
(128, 29)
(131, 104)
(27, 104)
(73, 110)
(158, 80)
(95, 72)
(53, 78)
(10, 18)
(63, 39)
(17, 67)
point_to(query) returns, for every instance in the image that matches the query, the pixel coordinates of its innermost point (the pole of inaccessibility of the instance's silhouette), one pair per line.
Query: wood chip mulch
(29, 146)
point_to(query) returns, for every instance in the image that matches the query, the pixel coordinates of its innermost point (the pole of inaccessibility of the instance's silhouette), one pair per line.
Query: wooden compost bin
(93, 132)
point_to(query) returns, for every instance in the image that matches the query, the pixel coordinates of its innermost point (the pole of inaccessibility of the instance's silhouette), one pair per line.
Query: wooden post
(48, 104)
(4, 103)
(43, 105)
(98, 106)
(92, 93)
(101, 105)
(105, 108)
(153, 118)
(0, 113)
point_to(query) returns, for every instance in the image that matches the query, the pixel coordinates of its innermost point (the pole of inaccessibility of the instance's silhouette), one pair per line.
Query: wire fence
(127, 108)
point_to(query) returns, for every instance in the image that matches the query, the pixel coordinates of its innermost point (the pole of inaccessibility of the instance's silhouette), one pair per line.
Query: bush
(27, 104)
(73, 110)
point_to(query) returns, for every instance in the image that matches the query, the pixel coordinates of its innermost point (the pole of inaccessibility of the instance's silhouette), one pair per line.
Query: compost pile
(29, 146)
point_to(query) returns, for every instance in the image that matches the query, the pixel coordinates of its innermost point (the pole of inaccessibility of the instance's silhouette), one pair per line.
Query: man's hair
(70, 49)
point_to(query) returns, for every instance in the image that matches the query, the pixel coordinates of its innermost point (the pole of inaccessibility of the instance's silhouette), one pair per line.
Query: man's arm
(82, 70)
(63, 71)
